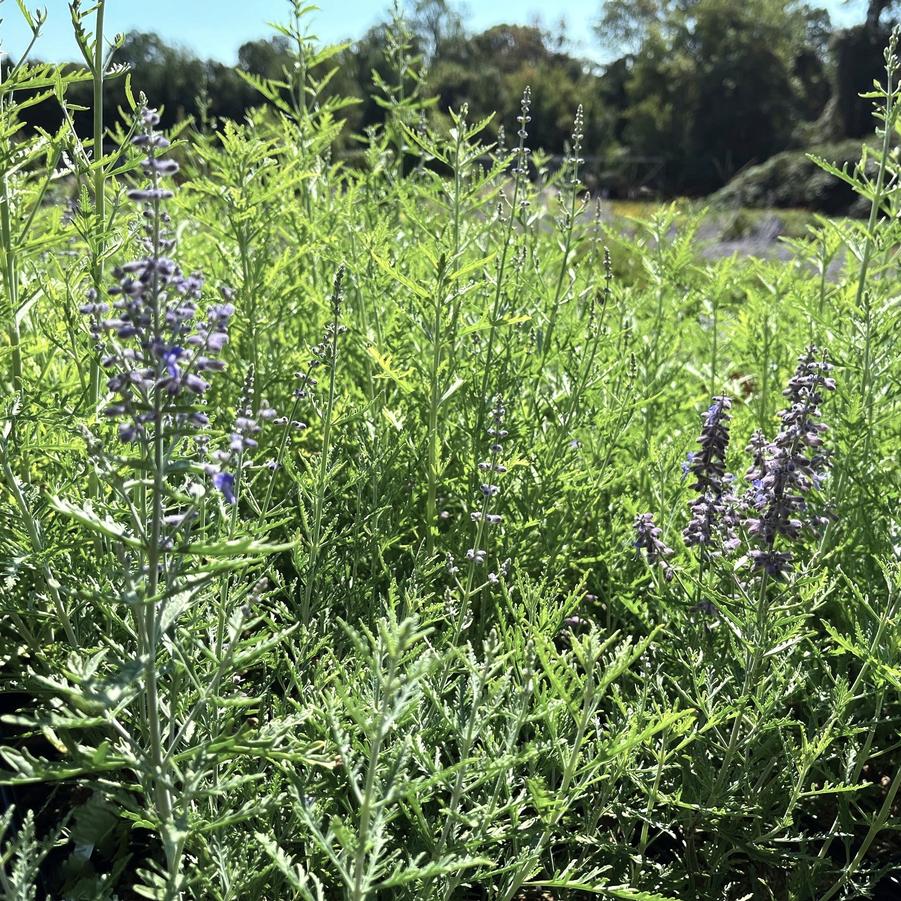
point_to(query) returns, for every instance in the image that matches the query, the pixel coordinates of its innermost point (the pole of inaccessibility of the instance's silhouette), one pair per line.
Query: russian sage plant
(342, 581)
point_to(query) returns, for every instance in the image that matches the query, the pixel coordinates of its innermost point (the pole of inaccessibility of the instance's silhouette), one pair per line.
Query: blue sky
(216, 28)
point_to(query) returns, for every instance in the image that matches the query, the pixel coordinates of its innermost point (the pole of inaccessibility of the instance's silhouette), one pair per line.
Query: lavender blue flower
(149, 338)
(521, 169)
(225, 483)
(713, 512)
(229, 463)
(708, 466)
(573, 158)
(647, 538)
(786, 470)
(713, 521)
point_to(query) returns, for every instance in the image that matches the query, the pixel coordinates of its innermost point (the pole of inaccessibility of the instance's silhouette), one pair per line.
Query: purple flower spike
(487, 516)
(647, 538)
(713, 513)
(154, 317)
(788, 468)
(708, 465)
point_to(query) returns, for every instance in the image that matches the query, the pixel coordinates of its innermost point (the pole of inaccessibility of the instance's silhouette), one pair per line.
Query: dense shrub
(363, 536)
(793, 180)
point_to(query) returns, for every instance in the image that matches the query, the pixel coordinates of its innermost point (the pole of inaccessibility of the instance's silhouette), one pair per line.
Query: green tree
(714, 85)
(490, 70)
(266, 57)
(435, 22)
(858, 54)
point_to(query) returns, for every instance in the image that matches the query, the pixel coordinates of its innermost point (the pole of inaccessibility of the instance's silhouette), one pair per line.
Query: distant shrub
(792, 179)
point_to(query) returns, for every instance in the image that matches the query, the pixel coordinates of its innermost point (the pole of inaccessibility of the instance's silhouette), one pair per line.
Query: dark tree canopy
(693, 90)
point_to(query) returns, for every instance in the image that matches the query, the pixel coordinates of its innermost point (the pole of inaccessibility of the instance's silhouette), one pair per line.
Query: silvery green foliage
(21, 855)
(234, 663)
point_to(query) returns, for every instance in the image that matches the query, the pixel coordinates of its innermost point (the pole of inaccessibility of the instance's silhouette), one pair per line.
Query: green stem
(9, 275)
(434, 437)
(322, 475)
(569, 771)
(713, 348)
(10, 269)
(875, 828)
(97, 73)
(455, 255)
(564, 265)
(861, 296)
(358, 893)
(649, 808)
(250, 298)
(155, 560)
(763, 410)
(861, 756)
(12, 288)
(267, 500)
(755, 655)
(498, 293)
(573, 400)
(37, 544)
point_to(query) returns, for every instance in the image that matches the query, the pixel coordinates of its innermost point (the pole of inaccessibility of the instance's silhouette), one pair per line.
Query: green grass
(314, 692)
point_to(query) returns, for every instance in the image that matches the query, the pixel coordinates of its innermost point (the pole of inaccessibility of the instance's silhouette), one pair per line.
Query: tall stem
(876, 827)
(755, 655)
(569, 772)
(10, 277)
(37, 543)
(519, 175)
(97, 251)
(862, 297)
(567, 249)
(358, 893)
(558, 291)
(713, 347)
(156, 560)
(434, 448)
(643, 841)
(322, 475)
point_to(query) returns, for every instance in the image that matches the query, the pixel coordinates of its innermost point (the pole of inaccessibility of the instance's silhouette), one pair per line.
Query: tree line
(693, 92)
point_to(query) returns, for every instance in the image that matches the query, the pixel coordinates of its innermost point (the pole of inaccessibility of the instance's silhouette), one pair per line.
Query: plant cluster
(324, 574)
